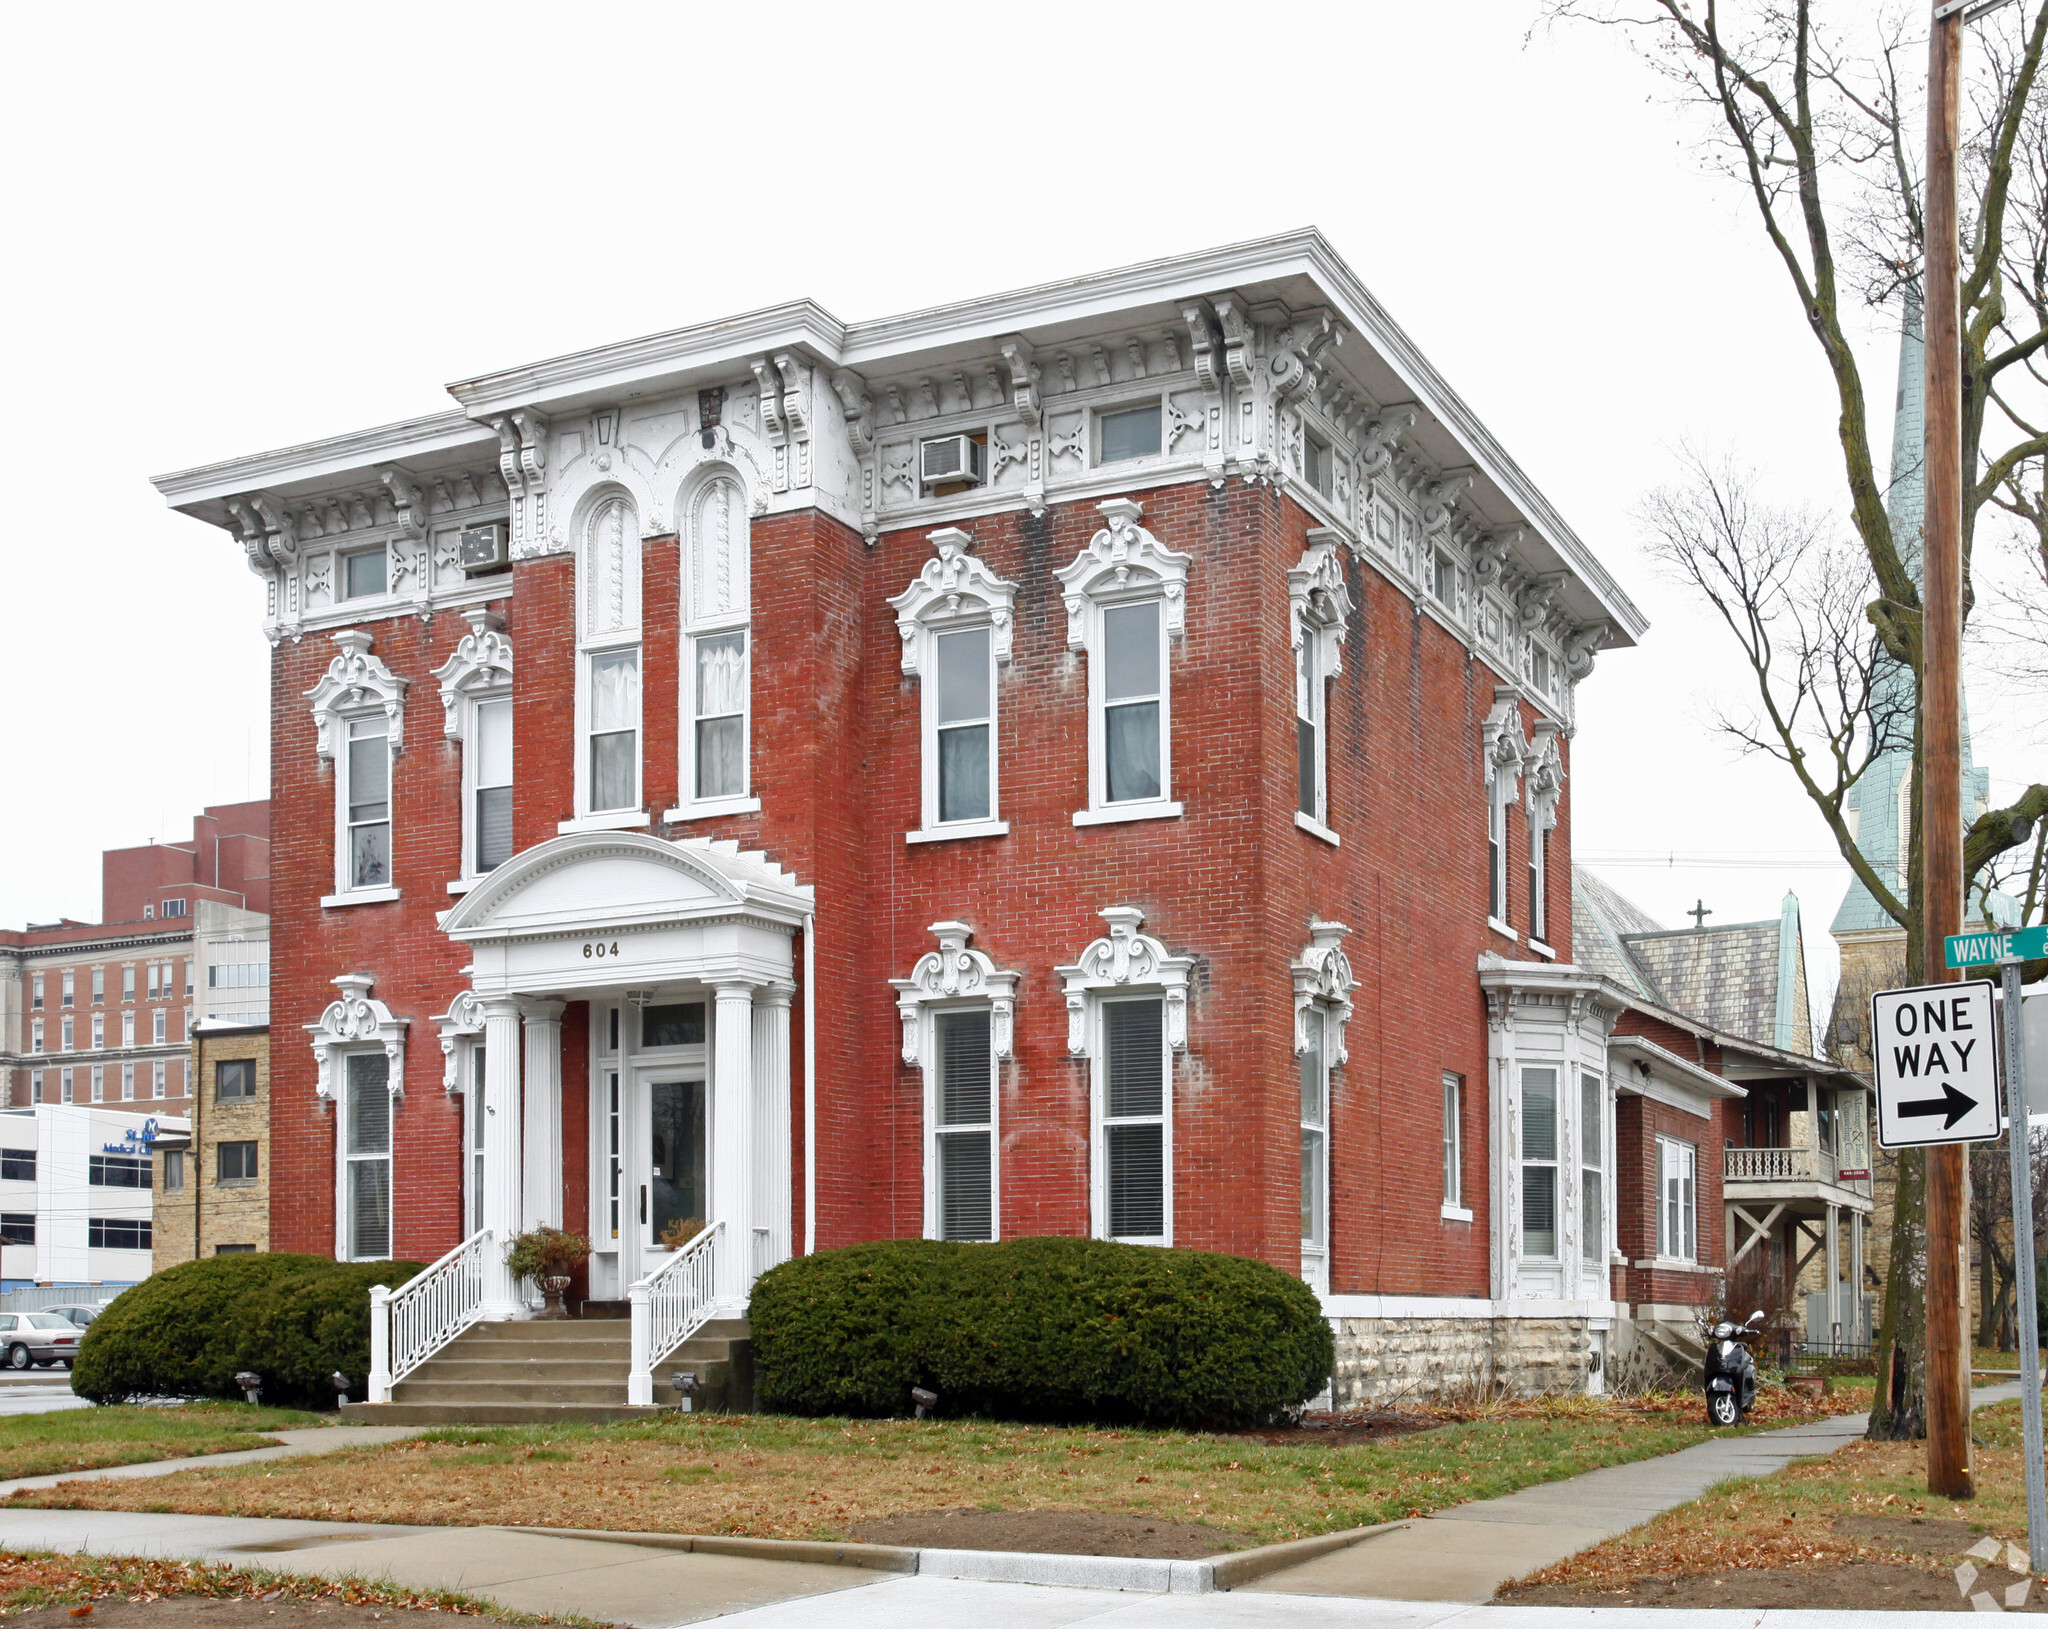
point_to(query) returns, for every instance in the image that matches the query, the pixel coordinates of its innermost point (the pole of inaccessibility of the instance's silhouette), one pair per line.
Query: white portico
(684, 952)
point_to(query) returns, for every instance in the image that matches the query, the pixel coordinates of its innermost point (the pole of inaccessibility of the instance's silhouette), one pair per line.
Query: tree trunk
(1898, 1410)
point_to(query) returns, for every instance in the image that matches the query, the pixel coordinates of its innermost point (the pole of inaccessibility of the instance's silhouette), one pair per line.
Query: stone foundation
(1391, 1360)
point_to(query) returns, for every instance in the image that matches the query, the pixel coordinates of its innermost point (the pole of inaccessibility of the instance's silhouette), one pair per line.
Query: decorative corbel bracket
(1323, 979)
(463, 1020)
(1490, 554)
(954, 973)
(408, 502)
(1383, 433)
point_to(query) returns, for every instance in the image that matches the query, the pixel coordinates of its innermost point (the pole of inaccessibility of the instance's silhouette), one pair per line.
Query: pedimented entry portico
(685, 952)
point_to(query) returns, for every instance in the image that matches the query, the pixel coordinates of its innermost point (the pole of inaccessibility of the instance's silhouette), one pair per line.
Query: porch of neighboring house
(1796, 1189)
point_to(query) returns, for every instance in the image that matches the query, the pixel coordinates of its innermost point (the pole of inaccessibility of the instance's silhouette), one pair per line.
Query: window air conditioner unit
(481, 548)
(949, 459)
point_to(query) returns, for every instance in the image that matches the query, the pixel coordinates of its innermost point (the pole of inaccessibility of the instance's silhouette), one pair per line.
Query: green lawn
(82, 1439)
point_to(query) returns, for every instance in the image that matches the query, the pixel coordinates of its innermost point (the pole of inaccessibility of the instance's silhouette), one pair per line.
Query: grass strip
(39, 1578)
(782, 1477)
(84, 1439)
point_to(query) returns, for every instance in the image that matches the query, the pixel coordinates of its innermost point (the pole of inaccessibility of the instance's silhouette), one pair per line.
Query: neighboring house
(103, 1013)
(213, 1197)
(75, 1194)
(1760, 1151)
(1093, 761)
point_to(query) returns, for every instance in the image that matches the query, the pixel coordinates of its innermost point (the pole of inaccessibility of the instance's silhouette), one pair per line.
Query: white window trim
(625, 636)
(479, 670)
(1323, 982)
(1673, 1259)
(1503, 755)
(1544, 782)
(1124, 962)
(587, 819)
(955, 978)
(1453, 1207)
(356, 685)
(1132, 404)
(1125, 565)
(953, 593)
(1318, 620)
(355, 1022)
(1563, 1160)
(740, 620)
(460, 1026)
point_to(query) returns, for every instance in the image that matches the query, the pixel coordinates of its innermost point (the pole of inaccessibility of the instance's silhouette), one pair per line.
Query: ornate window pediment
(1319, 601)
(463, 1021)
(482, 663)
(357, 1022)
(356, 682)
(1122, 959)
(953, 587)
(1506, 754)
(1544, 775)
(952, 973)
(1323, 981)
(1123, 561)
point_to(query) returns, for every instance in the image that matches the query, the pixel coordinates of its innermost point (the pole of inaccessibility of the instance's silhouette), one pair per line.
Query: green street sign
(1982, 949)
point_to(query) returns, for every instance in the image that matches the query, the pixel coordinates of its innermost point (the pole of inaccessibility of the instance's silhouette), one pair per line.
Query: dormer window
(1131, 432)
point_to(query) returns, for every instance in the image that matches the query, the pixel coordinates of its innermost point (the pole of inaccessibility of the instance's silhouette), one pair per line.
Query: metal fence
(36, 1296)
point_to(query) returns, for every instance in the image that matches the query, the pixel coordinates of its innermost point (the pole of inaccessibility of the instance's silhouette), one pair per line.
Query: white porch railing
(410, 1324)
(1778, 1165)
(670, 1305)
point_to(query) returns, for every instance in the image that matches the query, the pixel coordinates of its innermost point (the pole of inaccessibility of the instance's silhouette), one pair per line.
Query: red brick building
(1089, 760)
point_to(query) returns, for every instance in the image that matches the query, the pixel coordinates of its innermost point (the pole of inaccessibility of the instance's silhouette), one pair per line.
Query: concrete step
(601, 1331)
(453, 1392)
(491, 1413)
(490, 1370)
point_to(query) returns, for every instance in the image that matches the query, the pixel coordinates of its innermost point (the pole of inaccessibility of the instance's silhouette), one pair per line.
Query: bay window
(1539, 1163)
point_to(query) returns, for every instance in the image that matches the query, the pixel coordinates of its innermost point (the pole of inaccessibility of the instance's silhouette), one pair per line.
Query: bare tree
(1810, 110)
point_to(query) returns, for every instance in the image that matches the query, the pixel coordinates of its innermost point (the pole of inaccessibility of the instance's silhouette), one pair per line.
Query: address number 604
(599, 949)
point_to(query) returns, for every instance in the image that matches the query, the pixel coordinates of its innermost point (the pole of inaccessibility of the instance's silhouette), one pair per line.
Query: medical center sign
(1936, 1054)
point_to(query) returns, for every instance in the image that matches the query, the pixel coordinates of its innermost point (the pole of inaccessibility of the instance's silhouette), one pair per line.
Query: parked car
(81, 1314)
(39, 1338)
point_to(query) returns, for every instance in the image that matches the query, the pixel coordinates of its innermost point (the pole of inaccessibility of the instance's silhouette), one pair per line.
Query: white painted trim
(362, 896)
(710, 808)
(1670, 1264)
(623, 820)
(1117, 813)
(959, 829)
(1314, 827)
(1503, 929)
(462, 885)
(1543, 950)
(1454, 1213)
(1429, 1306)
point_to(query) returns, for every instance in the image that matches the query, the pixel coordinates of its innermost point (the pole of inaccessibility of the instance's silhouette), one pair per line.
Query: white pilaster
(541, 1205)
(502, 1152)
(732, 1153)
(1836, 1311)
(772, 1144)
(1859, 1331)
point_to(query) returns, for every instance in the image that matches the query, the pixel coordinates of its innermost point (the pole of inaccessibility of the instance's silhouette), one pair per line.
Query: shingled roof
(1745, 978)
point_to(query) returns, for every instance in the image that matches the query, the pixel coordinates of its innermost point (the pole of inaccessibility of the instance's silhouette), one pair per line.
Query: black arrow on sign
(1951, 1103)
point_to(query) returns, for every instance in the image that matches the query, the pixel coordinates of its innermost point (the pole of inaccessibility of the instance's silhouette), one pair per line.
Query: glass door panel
(678, 1198)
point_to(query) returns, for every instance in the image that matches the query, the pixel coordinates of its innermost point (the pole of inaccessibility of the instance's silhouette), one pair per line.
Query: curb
(1136, 1574)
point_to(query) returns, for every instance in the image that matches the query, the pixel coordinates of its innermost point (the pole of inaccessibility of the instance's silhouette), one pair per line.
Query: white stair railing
(670, 1305)
(410, 1324)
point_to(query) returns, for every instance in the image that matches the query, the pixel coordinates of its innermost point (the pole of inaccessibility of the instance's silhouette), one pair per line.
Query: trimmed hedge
(186, 1331)
(1038, 1329)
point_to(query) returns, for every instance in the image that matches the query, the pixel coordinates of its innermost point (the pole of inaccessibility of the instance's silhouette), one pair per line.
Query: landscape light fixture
(925, 1400)
(685, 1384)
(251, 1384)
(340, 1386)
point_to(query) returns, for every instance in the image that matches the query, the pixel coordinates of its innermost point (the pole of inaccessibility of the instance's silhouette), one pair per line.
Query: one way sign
(1936, 1051)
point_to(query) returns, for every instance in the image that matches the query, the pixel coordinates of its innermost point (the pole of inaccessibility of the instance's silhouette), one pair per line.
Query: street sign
(1982, 949)
(1936, 1054)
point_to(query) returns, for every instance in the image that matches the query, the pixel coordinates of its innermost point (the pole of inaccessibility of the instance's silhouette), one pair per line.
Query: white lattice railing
(670, 1305)
(1779, 1165)
(410, 1324)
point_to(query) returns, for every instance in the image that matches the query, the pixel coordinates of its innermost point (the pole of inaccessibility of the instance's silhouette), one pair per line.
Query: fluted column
(502, 1152)
(542, 1202)
(732, 1140)
(771, 1136)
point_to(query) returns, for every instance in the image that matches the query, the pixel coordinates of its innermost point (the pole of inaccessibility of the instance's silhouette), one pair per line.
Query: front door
(675, 1196)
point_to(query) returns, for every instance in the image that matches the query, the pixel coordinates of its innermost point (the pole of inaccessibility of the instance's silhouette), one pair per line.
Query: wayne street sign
(1936, 1055)
(1982, 949)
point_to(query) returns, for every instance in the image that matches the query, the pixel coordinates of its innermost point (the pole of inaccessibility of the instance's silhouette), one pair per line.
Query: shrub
(186, 1331)
(1038, 1329)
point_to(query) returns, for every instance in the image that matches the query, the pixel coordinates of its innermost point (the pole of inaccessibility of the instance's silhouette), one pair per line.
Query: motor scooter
(1731, 1370)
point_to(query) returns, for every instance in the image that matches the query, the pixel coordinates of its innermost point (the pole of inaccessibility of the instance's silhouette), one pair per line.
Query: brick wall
(1638, 1123)
(228, 1214)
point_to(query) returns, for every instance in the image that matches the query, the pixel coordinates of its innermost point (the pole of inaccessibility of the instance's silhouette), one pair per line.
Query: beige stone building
(213, 1197)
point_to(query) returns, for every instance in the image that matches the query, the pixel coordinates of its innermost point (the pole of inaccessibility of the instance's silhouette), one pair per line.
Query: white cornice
(290, 469)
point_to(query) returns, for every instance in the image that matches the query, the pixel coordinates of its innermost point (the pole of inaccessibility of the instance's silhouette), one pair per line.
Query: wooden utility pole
(1941, 766)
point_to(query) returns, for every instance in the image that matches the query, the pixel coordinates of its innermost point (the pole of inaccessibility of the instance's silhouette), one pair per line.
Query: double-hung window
(613, 768)
(234, 1080)
(476, 706)
(35, 1035)
(99, 985)
(715, 774)
(963, 726)
(1454, 1145)
(235, 1163)
(128, 981)
(366, 1158)
(963, 1126)
(1539, 856)
(490, 753)
(1497, 859)
(1677, 1208)
(99, 1031)
(1315, 1155)
(1592, 1169)
(366, 806)
(160, 1023)
(1308, 723)
(608, 716)
(1319, 613)
(70, 981)
(1136, 1128)
(35, 992)
(67, 1032)
(99, 1083)
(127, 1029)
(1539, 1162)
(474, 1138)
(1134, 701)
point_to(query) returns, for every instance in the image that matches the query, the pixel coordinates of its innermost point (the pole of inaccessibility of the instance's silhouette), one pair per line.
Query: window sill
(235, 1182)
(711, 808)
(1117, 813)
(1454, 1213)
(962, 830)
(1543, 950)
(1503, 930)
(1670, 1264)
(1315, 828)
(462, 885)
(362, 896)
(622, 820)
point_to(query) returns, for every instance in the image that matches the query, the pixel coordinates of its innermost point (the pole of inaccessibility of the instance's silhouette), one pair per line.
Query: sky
(240, 227)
